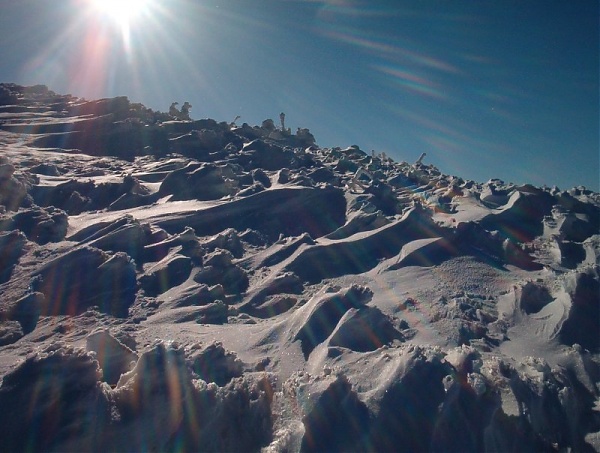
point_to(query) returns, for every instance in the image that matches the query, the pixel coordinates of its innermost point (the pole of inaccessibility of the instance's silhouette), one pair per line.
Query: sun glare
(123, 12)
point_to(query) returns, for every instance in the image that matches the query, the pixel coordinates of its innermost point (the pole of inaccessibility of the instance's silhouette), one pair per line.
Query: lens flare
(121, 11)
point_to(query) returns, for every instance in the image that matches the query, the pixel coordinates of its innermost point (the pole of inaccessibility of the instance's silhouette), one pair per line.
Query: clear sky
(502, 89)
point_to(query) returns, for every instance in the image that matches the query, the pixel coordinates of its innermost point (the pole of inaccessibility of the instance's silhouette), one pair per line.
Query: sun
(122, 15)
(123, 12)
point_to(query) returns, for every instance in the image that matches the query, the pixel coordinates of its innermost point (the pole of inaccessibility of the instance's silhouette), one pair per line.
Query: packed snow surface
(181, 285)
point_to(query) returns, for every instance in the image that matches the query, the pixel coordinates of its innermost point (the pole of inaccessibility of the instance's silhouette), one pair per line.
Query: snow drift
(194, 285)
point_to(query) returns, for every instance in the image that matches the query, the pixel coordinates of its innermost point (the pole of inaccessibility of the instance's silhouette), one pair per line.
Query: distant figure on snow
(282, 120)
(185, 111)
(174, 111)
(184, 114)
(268, 125)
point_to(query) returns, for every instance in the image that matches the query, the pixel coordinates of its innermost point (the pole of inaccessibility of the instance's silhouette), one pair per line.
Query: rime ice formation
(177, 284)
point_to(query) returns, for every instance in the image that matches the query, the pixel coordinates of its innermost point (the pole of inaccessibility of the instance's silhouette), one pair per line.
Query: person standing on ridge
(185, 110)
(282, 119)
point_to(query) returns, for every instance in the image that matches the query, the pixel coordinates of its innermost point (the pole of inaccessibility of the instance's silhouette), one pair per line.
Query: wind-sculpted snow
(194, 285)
(362, 252)
(156, 405)
(314, 322)
(84, 277)
(288, 211)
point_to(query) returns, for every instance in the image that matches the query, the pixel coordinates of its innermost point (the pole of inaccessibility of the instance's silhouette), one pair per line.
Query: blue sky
(488, 89)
